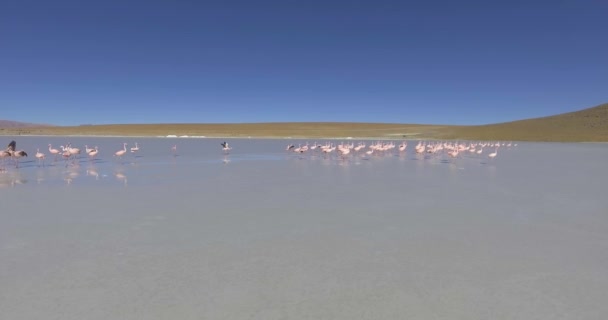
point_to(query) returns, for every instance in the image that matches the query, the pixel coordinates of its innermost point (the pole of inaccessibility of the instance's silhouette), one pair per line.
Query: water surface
(262, 233)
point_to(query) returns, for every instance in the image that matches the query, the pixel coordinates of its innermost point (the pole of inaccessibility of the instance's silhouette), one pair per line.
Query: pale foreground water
(266, 234)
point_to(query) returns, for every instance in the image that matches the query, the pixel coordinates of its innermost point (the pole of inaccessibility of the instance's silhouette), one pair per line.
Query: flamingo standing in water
(402, 146)
(53, 151)
(343, 152)
(225, 147)
(15, 154)
(174, 150)
(454, 153)
(40, 156)
(120, 153)
(136, 148)
(93, 153)
(65, 154)
(493, 154)
(420, 148)
(18, 154)
(73, 151)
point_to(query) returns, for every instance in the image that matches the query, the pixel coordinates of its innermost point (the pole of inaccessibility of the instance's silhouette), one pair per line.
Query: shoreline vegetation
(588, 125)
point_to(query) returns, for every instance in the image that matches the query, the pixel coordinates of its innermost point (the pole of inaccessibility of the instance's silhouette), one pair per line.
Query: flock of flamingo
(67, 152)
(343, 153)
(451, 149)
(344, 150)
(70, 154)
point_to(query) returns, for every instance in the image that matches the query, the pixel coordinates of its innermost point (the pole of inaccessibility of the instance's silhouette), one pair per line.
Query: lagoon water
(262, 233)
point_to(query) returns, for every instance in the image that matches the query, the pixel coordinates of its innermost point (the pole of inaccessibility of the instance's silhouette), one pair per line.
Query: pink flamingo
(40, 156)
(66, 155)
(18, 154)
(454, 153)
(420, 148)
(493, 154)
(136, 148)
(73, 151)
(93, 153)
(314, 146)
(53, 151)
(68, 152)
(359, 147)
(174, 150)
(344, 152)
(367, 154)
(402, 146)
(328, 149)
(121, 152)
(15, 154)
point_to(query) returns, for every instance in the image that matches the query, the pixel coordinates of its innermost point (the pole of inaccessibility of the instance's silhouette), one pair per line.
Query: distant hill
(589, 124)
(16, 124)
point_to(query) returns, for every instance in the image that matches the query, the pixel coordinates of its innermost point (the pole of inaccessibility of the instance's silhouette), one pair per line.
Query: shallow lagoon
(266, 234)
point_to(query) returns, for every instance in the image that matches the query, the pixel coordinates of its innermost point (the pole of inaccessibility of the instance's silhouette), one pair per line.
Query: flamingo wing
(12, 146)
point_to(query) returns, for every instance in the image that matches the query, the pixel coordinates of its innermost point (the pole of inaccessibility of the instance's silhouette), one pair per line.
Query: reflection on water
(11, 179)
(158, 161)
(388, 224)
(121, 177)
(92, 172)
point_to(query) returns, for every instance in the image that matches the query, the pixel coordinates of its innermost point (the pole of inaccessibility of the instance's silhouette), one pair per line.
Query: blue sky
(446, 62)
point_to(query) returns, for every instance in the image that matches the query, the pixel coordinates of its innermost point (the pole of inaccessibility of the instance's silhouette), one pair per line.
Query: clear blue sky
(457, 62)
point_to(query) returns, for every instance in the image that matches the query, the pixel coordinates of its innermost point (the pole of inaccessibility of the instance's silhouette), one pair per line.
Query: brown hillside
(17, 124)
(585, 125)
(294, 130)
